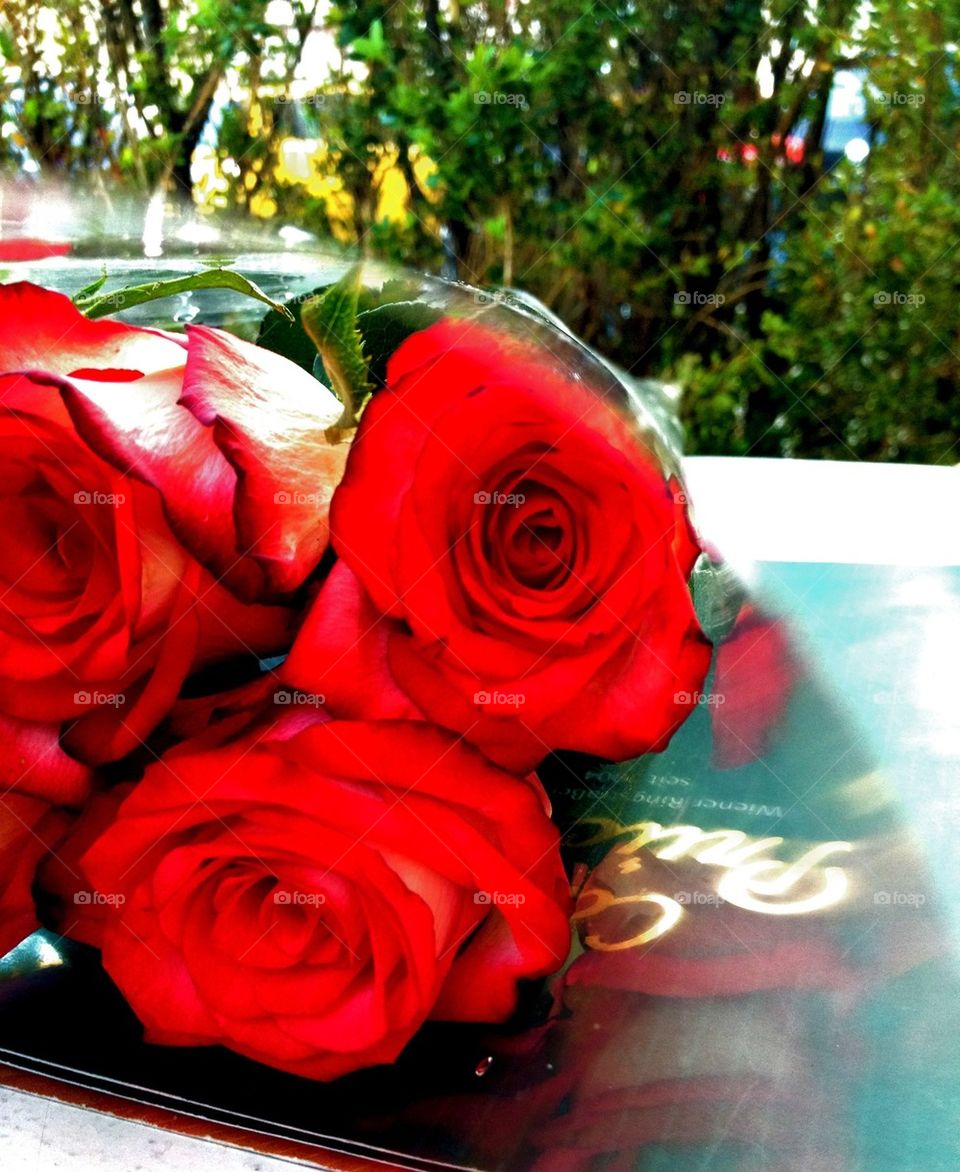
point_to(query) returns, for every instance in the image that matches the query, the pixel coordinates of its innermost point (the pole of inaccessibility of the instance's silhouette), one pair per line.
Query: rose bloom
(513, 561)
(310, 894)
(103, 609)
(233, 436)
(29, 827)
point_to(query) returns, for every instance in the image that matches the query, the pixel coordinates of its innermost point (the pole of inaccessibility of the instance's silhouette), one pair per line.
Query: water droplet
(483, 1066)
(186, 314)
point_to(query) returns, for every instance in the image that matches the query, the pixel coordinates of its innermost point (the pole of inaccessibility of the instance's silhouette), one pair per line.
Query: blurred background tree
(757, 199)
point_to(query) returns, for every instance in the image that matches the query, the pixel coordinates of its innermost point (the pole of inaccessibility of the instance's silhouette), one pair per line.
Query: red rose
(29, 828)
(102, 611)
(309, 895)
(234, 438)
(513, 565)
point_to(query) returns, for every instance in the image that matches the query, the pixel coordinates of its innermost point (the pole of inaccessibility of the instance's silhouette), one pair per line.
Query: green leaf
(330, 319)
(282, 332)
(373, 46)
(94, 287)
(99, 306)
(385, 318)
(384, 328)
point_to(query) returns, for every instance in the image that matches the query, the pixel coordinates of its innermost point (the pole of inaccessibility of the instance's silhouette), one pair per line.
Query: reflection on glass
(38, 951)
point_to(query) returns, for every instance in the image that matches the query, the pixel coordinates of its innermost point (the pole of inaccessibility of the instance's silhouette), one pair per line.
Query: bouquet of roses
(286, 635)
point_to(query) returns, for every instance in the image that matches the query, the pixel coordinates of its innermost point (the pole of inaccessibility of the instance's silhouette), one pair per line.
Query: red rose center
(531, 536)
(53, 550)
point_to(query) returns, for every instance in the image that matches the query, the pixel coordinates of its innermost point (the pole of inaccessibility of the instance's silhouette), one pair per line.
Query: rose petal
(33, 762)
(341, 653)
(111, 731)
(269, 417)
(42, 330)
(62, 879)
(142, 429)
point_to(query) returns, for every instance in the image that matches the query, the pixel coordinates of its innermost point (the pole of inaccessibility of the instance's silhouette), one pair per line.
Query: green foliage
(622, 164)
(620, 161)
(385, 327)
(372, 323)
(281, 331)
(330, 321)
(95, 304)
(112, 90)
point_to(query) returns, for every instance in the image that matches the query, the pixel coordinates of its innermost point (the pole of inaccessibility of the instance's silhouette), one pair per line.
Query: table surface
(38, 1134)
(755, 511)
